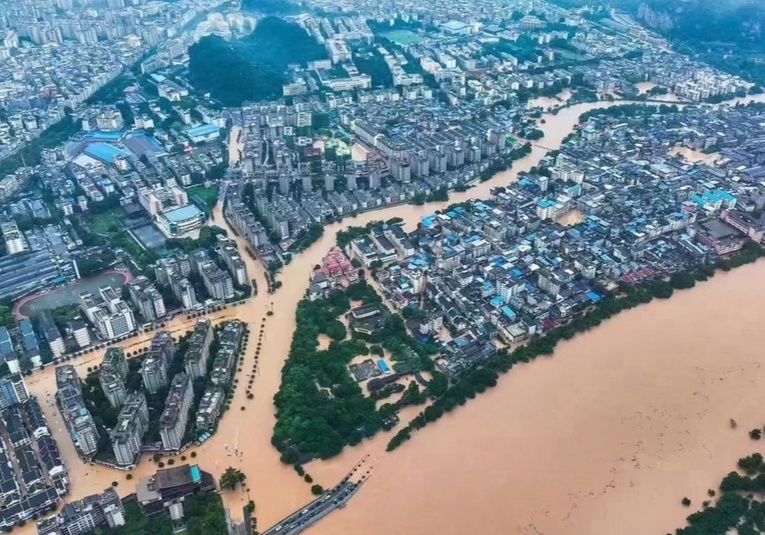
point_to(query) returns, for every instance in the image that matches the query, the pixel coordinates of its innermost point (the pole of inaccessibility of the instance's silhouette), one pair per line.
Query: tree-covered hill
(252, 68)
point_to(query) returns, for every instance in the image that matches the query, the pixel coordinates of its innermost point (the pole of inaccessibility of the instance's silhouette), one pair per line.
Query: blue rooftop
(28, 336)
(509, 312)
(105, 152)
(183, 213)
(698, 200)
(724, 195)
(6, 346)
(103, 135)
(202, 130)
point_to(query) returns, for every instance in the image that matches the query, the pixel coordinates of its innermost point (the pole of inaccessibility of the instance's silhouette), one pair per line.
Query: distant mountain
(727, 34)
(704, 21)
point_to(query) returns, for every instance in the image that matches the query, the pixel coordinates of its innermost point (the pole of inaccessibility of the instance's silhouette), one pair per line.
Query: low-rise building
(84, 516)
(171, 485)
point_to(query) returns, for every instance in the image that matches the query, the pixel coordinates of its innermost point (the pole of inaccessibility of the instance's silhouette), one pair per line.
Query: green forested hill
(251, 68)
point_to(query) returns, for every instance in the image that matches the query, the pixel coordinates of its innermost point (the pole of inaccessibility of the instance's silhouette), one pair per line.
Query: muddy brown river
(607, 436)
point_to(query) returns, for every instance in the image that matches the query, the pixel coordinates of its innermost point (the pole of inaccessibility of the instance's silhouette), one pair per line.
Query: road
(333, 499)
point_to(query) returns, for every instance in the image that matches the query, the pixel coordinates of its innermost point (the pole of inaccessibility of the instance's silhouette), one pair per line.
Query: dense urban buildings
(32, 473)
(85, 515)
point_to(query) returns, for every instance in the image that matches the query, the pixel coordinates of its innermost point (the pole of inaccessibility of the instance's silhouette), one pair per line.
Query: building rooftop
(183, 213)
(202, 130)
(105, 152)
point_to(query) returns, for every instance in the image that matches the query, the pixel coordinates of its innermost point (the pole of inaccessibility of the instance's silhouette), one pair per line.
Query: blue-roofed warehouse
(6, 346)
(203, 133)
(105, 152)
(141, 144)
(28, 336)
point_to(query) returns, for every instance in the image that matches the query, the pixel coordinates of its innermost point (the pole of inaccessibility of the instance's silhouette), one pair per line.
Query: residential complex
(155, 365)
(146, 299)
(199, 349)
(33, 477)
(224, 364)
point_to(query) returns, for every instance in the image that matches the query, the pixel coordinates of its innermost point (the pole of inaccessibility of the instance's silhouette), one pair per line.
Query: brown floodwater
(607, 436)
(694, 156)
(631, 415)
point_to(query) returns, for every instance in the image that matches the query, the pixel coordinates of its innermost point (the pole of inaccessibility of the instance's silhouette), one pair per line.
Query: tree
(686, 502)
(317, 490)
(231, 478)
(251, 68)
(755, 434)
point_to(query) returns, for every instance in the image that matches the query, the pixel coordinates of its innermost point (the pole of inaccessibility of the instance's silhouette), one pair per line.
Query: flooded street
(694, 156)
(629, 417)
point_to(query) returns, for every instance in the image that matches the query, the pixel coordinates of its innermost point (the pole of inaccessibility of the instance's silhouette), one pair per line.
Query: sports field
(69, 294)
(402, 37)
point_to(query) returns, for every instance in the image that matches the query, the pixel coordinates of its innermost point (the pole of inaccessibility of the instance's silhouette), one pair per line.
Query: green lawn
(209, 196)
(402, 37)
(106, 223)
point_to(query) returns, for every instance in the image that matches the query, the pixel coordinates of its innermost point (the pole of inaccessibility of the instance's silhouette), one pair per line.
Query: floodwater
(549, 103)
(644, 87)
(235, 145)
(631, 415)
(627, 419)
(694, 156)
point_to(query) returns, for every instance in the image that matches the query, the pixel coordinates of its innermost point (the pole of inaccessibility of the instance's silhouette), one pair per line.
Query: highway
(333, 499)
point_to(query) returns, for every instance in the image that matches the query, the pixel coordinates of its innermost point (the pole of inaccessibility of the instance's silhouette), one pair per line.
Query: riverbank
(449, 452)
(630, 418)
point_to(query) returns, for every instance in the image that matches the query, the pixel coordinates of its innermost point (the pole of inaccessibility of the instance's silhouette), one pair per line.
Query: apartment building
(132, 423)
(172, 422)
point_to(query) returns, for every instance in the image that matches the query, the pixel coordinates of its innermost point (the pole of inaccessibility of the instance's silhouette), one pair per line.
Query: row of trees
(629, 110)
(476, 381)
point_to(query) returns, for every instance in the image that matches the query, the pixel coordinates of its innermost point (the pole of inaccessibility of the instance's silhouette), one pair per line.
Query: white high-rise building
(14, 239)
(110, 315)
